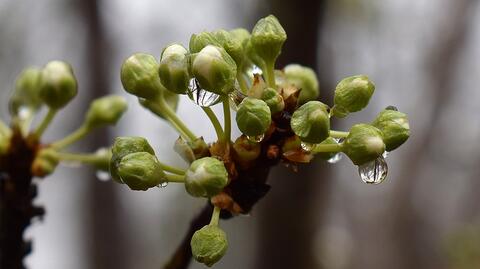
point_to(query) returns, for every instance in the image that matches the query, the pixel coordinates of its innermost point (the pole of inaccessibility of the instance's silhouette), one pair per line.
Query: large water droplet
(256, 138)
(307, 146)
(103, 176)
(200, 96)
(162, 185)
(335, 158)
(374, 172)
(236, 97)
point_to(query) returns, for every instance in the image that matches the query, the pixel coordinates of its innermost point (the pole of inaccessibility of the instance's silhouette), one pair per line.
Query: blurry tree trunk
(411, 237)
(288, 214)
(106, 245)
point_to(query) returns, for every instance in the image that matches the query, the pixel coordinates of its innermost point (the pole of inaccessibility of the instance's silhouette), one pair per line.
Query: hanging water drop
(256, 138)
(335, 158)
(307, 146)
(162, 185)
(201, 96)
(236, 97)
(385, 154)
(374, 172)
(103, 176)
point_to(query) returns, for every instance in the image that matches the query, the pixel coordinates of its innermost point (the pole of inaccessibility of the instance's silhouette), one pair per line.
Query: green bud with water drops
(253, 117)
(201, 40)
(215, 70)
(273, 99)
(124, 146)
(209, 245)
(45, 162)
(363, 144)
(106, 110)
(267, 38)
(173, 69)
(394, 126)
(206, 177)
(311, 122)
(27, 91)
(140, 171)
(305, 79)
(139, 76)
(352, 94)
(58, 84)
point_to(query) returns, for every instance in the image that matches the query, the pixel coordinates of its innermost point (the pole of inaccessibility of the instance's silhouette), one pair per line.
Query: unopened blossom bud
(352, 94)
(27, 91)
(253, 117)
(364, 143)
(305, 79)
(245, 151)
(201, 40)
(124, 146)
(310, 122)
(273, 99)
(173, 69)
(106, 110)
(233, 43)
(58, 85)
(140, 171)
(139, 76)
(45, 162)
(394, 126)
(267, 38)
(206, 177)
(209, 245)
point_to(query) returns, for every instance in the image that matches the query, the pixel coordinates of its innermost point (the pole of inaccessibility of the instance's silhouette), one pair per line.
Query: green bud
(140, 171)
(364, 143)
(245, 151)
(215, 70)
(58, 85)
(201, 40)
(394, 126)
(233, 43)
(252, 55)
(311, 122)
(305, 79)
(267, 38)
(191, 150)
(253, 116)
(139, 75)
(352, 94)
(106, 110)
(209, 245)
(27, 91)
(206, 177)
(124, 146)
(273, 99)
(45, 162)
(173, 69)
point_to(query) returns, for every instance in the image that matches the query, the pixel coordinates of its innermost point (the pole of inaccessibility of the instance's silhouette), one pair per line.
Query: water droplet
(335, 158)
(200, 96)
(374, 172)
(256, 138)
(385, 154)
(255, 70)
(307, 146)
(25, 112)
(236, 97)
(162, 185)
(103, 176)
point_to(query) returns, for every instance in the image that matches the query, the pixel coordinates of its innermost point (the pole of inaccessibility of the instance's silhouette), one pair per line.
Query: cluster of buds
(276, 110)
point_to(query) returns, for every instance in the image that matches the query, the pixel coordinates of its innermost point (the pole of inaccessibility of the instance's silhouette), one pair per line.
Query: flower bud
(173, 69)
(206, 177)
(311, 122)
(201, 40)
(139, 75)
(245, 151)
(215, 70)
(27, 91)
(106, 110)
(140, 171)
(58, 85)
(191, 150)
(267, 38)
(364, 143)
(273, 99)
(45, 162)
(305, 79)
(233, 43)
(352, 94)
(253, 117)
(209, 244)
(124, 146)
(394, 126)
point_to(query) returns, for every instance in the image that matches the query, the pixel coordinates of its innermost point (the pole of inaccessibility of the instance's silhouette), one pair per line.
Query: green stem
(175, 178)
(242, 82)
(338, 134)
(78, 134)
(327, 148)
(45, 122)
(215, 216)
(172, 169)
(172, 117)
(86, 158)
(227, 119)
(270, 74)
(216, 124)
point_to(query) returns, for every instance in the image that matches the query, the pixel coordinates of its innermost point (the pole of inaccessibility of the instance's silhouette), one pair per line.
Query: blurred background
(424, 57)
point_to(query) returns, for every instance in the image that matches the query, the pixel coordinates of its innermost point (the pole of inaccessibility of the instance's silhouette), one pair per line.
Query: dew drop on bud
(200, 96)
(256, 138)
(335, 158)
(162, 185)
(374, 172)
(236, 97)
(103, 176)
(307, 146)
